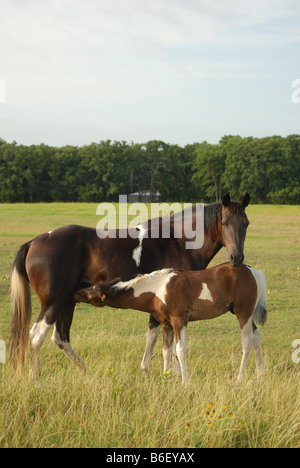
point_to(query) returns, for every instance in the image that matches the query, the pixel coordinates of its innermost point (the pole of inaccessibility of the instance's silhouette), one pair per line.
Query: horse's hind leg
(168, 337)
(61, 334)
(257, 349)
(37, 336)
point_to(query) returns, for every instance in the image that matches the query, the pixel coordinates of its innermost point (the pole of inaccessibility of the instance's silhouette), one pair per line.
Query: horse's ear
(226, 199)
(246, 200)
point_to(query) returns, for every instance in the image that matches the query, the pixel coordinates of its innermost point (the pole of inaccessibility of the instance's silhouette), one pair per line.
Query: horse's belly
(205, 310)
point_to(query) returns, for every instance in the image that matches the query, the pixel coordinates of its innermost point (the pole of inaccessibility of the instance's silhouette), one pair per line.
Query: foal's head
(96, 294)
(234, 223)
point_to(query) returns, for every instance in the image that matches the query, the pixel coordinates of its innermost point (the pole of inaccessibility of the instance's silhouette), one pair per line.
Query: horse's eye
(223, 222)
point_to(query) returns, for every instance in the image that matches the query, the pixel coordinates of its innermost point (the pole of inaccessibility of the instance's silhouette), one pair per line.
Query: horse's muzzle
(236, 260)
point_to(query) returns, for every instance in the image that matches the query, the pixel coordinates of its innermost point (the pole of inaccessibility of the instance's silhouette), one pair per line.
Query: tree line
(267, 168)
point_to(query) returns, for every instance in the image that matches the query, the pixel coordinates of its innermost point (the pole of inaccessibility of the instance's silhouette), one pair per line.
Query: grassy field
(117, 406)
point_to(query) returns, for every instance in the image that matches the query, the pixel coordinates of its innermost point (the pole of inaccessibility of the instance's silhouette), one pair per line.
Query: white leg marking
(37, 336)
(68, 350)
(151, 338)
(167, 355)
(181, 353)
(258, 353)
(175, 362)
(247, 343)
(205, 293)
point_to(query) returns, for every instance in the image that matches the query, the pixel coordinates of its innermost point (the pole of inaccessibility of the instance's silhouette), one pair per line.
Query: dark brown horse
(62, 261)
(175, 298)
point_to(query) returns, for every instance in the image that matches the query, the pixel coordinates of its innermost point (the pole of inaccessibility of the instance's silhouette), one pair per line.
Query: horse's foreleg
(175, 362)
(180, 335)
(168, 336)
(247, 343)
(151, 339)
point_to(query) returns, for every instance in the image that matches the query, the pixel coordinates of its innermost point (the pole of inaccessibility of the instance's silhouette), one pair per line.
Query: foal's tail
(260, 311)
(21, 302)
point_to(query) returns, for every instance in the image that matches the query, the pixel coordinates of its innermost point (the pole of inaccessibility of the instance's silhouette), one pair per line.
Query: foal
(175, 298)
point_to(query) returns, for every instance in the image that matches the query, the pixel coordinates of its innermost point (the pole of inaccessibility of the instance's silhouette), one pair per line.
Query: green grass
(117, 406)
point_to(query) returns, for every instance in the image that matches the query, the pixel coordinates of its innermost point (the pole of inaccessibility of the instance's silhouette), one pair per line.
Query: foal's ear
(246, 200)
(226, 199)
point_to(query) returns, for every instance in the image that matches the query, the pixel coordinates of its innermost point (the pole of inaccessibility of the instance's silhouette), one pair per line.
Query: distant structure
(144, 197)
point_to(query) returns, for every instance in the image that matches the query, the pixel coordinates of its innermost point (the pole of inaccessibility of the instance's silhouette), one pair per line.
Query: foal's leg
(61, 334)
(168, 337)
(180, 335)
(151, 338)
(175, 362)
(247, 343)
(257, 349)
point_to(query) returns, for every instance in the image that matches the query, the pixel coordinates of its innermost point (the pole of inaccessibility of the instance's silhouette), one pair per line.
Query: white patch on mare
(205, 293)
(39, 332)
(137, 252)
(155, 282)
(50, 232)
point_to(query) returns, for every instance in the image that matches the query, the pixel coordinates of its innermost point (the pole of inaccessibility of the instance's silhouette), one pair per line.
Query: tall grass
(117, 406)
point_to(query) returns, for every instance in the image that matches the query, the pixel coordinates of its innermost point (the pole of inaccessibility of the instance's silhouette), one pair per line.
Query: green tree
(209, 169)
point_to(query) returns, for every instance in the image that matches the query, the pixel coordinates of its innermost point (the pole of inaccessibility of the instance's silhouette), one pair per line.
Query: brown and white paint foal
(178, 297)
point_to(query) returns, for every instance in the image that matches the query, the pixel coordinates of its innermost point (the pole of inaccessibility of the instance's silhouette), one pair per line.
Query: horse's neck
(212, 232)
(125, 299)
(207, 252)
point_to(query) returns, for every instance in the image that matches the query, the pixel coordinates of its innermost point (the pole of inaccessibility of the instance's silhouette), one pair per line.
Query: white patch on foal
(205, 293)
(137, 252)
(155, 282)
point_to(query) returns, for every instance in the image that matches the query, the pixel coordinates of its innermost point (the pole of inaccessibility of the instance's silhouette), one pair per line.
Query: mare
(175, 298)
(68, 258)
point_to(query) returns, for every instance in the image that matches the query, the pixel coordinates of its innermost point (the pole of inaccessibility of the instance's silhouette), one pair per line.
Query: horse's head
(234, 225)
(95, 294)
(91, 295)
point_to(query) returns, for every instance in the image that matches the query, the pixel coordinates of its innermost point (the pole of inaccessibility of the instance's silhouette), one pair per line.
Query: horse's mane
(212, 216)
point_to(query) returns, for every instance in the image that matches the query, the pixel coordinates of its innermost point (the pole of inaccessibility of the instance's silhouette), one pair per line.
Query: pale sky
(183, 71)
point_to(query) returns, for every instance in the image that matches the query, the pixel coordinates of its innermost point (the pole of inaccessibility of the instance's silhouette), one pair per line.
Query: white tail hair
(260, 310)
